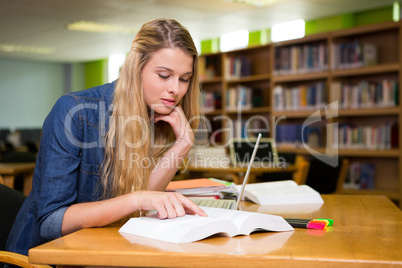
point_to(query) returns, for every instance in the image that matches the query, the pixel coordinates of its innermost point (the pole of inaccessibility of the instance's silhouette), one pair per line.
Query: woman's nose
(174, 87)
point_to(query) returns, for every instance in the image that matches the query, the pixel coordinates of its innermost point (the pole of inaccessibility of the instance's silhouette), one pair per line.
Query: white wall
(29, 89)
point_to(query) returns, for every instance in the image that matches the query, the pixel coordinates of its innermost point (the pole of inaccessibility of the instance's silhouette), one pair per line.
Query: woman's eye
(163, 76)
(184, 80)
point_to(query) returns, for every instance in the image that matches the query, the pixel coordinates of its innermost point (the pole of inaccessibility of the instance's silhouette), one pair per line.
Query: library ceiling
(37, 29)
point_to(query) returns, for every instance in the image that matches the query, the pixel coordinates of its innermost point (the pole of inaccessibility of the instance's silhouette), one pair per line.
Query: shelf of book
(357, 57)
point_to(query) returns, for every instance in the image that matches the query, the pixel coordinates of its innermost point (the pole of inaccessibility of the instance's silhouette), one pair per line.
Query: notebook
(231, 204)
(241, 151)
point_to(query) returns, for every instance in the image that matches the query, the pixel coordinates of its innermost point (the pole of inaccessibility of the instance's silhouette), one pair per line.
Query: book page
(248, 222)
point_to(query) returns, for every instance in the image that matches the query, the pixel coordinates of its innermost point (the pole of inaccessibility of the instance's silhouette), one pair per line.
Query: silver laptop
(231, 204)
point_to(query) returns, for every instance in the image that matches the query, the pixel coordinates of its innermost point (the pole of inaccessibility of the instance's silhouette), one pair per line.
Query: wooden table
(8, 171)
(366, 233)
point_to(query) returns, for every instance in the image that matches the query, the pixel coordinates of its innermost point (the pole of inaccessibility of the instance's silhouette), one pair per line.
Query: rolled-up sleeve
(57, 180)
(51, 227)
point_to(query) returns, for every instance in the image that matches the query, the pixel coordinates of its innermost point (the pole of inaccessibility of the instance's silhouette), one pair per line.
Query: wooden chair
(342, 175)
(14, 200)
(303, 166)
(18, 260)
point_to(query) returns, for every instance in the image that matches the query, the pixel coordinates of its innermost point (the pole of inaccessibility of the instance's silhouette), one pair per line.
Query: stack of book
(209, 188)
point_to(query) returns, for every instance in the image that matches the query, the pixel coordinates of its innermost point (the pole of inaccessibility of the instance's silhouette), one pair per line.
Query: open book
(281, 192)
(190, 228)
(262, 243)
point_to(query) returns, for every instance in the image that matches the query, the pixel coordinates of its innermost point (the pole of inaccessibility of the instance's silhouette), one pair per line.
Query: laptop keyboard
(212, 203)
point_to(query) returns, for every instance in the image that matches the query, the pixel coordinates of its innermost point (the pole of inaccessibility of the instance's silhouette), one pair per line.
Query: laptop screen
(242, 149)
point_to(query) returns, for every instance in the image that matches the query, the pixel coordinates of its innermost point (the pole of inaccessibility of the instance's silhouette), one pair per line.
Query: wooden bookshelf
(260, 110)
(296, 114)
(250, 78)
(369, 111)
(381, 68)
(263, 77)
(301, 77)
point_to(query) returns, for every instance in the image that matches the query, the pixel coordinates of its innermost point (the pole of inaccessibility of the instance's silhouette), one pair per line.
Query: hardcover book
(190, 228)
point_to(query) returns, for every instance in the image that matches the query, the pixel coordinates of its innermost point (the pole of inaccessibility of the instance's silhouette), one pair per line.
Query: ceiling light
(258, 3)
(15, 48)
(97, 27)
(288, 30)
(234, 40)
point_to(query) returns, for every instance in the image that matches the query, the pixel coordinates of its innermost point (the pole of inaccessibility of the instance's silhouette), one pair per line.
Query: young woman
(109, 152)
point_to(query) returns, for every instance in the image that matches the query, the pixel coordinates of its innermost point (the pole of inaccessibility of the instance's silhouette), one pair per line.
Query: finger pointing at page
(168, 205)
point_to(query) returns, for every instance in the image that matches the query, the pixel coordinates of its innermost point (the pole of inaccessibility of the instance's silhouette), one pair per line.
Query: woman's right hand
(167, 204)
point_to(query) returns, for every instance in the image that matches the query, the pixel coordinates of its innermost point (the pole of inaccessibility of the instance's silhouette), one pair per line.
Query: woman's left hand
(180, 125)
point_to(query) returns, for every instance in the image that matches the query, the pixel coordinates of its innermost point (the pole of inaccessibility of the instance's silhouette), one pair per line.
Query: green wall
(350, 20)
(95, 73)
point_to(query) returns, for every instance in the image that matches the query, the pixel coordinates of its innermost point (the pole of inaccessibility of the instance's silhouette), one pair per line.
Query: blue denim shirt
(67, 168)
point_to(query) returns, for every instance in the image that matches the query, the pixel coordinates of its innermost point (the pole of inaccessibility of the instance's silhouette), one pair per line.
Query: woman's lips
(168, 102)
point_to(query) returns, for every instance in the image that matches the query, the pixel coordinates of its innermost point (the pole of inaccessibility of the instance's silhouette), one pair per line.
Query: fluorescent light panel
(288, 30)
(234, 40)
(97, 27)
(16, 48)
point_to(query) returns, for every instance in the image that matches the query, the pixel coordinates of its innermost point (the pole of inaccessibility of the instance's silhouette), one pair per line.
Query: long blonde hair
(130, 123)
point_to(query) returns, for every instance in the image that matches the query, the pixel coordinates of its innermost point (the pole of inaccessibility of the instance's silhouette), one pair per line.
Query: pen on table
(329, 222)
(309, 223)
